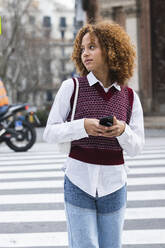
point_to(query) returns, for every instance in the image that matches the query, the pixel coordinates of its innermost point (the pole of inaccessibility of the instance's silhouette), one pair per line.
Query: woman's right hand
(93, 127)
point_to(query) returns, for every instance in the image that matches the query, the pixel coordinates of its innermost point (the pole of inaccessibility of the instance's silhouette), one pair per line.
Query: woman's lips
(88, 61)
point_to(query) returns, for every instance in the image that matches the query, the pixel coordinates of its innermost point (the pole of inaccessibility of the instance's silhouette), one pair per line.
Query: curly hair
(116, 46)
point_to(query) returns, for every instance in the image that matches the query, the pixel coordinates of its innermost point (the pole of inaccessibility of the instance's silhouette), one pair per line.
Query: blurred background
(37, 39)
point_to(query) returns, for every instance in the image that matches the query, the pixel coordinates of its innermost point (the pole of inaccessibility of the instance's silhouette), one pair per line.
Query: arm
(57, 130)
(132, 139)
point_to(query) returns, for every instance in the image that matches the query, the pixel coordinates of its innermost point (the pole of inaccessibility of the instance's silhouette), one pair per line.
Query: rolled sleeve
(65, 132)
(57, 129)
(132, 139)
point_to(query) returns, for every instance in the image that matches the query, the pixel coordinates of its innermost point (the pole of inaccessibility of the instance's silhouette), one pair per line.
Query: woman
(95, 176)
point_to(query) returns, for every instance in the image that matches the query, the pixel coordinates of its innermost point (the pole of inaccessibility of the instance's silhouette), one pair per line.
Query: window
(47, 21)
(49, 96)
(31, 20)
(62, 22)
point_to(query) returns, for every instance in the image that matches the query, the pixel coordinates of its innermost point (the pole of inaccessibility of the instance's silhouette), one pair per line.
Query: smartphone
(107, 121)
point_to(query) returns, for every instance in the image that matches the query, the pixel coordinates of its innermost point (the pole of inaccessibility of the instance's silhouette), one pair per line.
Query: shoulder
(67, 83)
(66, 89)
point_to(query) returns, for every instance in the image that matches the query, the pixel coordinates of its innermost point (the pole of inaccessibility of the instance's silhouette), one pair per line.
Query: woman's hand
(116, 130)
(93, 127)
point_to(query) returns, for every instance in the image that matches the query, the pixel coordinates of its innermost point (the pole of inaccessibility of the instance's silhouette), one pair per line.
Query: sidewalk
(154, 122)
(154, 129)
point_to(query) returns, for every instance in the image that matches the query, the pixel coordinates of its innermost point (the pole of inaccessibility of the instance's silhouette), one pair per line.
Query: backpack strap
(131, 97)
(74, 98)
(73, 94)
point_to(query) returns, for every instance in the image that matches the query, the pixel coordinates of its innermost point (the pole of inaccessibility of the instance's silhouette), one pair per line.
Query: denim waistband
(105, 204)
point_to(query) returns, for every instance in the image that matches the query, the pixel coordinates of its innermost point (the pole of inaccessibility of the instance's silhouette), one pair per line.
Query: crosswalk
(32, 201)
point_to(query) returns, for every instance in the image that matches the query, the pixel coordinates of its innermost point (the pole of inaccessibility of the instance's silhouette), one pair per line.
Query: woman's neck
(104, 78)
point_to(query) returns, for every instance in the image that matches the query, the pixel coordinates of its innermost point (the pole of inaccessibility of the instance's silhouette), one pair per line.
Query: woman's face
(91, 54)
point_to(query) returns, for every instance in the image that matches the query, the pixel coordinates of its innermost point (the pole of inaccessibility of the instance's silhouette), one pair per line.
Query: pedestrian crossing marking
(34, 239)
(33, 184)
(41, 198)
(32, 175)
(31, 198)
(39, 161)
(141, 237)
(59, 215)
(130, 237)
(145, 162)
(30, 167)
(42, 170)
(146, 181)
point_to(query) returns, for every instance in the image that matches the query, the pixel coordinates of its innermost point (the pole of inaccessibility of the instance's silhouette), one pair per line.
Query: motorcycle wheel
(25, 139)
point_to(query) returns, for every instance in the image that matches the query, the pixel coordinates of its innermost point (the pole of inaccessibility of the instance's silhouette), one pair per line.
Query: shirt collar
(93, 80)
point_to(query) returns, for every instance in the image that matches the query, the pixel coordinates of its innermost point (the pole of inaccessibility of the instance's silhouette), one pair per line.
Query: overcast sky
(69, 3)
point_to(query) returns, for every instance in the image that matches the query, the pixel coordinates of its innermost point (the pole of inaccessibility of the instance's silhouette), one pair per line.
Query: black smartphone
(107, 121)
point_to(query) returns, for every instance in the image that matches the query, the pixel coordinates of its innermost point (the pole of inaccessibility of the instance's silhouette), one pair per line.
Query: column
(145, 65)
(119, 16)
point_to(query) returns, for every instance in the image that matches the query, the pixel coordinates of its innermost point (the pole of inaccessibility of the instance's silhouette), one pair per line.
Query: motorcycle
(16, 130)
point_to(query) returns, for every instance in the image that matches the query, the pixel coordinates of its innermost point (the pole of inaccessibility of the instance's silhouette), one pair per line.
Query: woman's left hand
(116, 130)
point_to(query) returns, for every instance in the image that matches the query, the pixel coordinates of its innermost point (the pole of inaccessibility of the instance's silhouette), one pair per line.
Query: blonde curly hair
(116, 46)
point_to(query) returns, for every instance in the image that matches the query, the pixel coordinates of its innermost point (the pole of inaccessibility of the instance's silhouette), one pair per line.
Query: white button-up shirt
(93, 177)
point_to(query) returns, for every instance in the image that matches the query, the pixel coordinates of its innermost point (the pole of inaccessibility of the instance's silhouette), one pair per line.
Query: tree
(21, 54)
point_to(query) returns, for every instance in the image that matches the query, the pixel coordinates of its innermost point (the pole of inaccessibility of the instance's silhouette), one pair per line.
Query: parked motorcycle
(16, 130)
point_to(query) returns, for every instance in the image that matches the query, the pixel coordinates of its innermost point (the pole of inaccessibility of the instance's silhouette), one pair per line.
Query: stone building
(55, 23)
(144, 22)
(47, 33)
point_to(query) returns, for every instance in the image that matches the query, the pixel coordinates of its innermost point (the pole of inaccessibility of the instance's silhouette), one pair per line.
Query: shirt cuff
(79, 129)
(124, 136)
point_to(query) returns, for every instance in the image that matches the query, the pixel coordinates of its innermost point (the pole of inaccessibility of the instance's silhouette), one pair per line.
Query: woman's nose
(86, 52)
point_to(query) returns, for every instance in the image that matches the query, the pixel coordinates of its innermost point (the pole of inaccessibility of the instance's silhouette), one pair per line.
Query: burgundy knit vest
(94, 102)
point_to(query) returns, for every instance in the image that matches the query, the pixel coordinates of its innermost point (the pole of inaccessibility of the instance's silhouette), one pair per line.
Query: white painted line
(32, 184)
(59, 215)
(33, 239)
(59, 183)
(32, 175)
(31, 198)
(135, 237)
(30, 167)
(31, 156)
(147, 156)
(146, 195)
(146, 181)
(146, 162)
(32, 216)
(149, 170)
(48, 198)
(145, 213)
(41, 161)
(131, 237)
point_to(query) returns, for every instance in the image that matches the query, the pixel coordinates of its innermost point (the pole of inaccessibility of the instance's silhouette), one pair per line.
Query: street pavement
(32, 202)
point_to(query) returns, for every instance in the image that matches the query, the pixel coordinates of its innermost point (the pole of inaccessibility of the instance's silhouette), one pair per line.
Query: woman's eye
(92, 47)
(82, 50)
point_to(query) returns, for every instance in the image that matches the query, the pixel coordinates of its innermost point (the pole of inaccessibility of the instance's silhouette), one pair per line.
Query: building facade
(55, 24)
(144, 22)
(43, 57)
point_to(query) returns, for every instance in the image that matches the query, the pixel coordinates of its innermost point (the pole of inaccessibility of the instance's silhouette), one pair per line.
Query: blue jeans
(94, 222)
(3, 109)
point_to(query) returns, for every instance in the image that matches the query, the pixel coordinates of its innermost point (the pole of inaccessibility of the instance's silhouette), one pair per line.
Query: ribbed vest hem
(97, 156)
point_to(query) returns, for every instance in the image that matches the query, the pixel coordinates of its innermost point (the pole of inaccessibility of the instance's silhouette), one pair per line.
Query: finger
(114, 120)
(103, 128)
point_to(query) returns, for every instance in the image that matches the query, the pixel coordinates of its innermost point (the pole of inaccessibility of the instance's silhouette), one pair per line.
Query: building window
(62, 22)
(62, 27)
(31, 20)
(47, 65)
(47, 21)
(49, 96)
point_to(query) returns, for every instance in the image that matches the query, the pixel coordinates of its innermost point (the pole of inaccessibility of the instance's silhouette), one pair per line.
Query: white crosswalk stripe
(31, 200)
